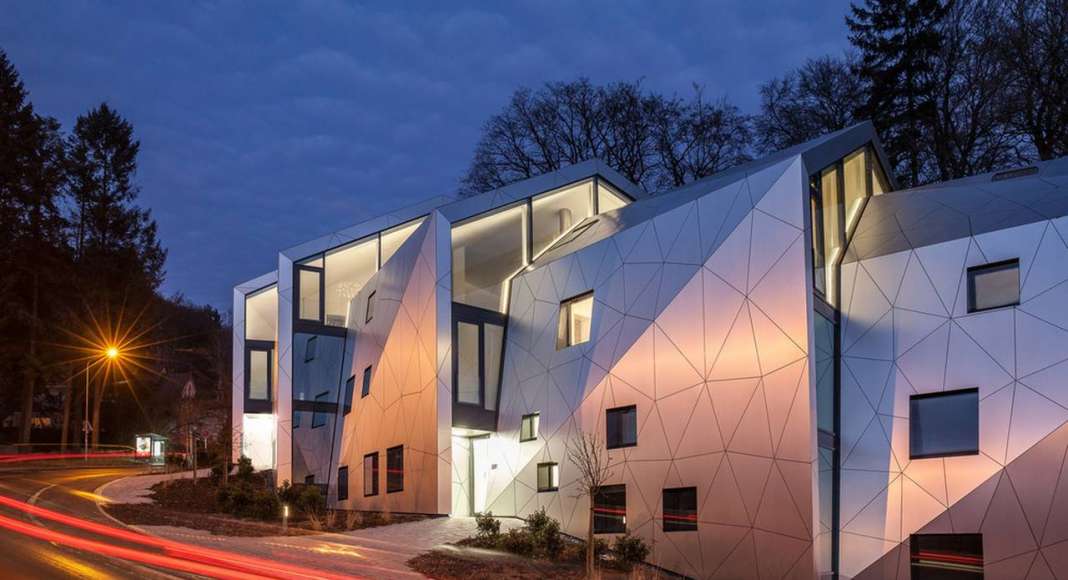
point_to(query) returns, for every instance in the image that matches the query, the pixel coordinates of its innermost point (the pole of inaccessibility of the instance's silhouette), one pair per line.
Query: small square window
(576, 319)
(938, 556)
(310, 349)
(366, 388)
(395, 469)
(319, 417)
(622, 427)
(548, 477)
(343, 483)
(350, 387)
(528, 430)
(680, 509)
(370, 312)
(944, 424)
(994, 285)
(370, 474)
(610, 510)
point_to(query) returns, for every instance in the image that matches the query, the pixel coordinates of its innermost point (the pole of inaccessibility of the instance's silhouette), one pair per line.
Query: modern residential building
(795, 370)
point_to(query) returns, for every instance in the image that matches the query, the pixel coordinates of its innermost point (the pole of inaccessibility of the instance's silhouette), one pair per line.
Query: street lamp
(111, 353)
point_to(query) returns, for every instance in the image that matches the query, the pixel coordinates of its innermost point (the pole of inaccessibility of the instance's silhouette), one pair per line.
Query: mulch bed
(464, 565)
(147, 514)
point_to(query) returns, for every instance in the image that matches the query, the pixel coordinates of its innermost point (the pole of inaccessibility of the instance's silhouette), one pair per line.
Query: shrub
(311, 500)
(244, 469)
(287, 493)
(630, 550)
(518, 541)
(600, 548)
(234, 498)
(353, 520)
(489, 527)
(545, 534)
(217, 472)
(264, 505)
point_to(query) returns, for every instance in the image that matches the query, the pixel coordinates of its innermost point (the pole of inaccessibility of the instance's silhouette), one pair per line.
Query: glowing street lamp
(111, 353)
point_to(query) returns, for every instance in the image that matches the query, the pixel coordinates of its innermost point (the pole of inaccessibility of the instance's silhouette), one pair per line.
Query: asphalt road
(68, 491)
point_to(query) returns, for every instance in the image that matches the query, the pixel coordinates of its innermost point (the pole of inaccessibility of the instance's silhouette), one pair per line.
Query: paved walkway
(380, 552)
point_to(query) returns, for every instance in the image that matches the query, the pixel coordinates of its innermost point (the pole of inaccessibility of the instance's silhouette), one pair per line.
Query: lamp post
(111, 353)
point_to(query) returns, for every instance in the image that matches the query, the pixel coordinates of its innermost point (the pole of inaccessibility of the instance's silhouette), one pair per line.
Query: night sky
(264, 125)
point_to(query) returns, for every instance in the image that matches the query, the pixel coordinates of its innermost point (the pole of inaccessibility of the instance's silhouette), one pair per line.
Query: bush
(217, 472)
(545, 534)
(311, 500)
(630, 550)
(489, 527)
(600, 548)
(287, 493)
(244, 469)
(264, 505)
(518, 541)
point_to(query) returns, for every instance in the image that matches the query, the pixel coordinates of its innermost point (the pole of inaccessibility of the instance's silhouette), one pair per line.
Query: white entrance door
(480, 472)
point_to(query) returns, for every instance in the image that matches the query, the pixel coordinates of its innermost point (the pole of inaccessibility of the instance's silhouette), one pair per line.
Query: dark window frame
(319, 418)
(598, 524)
(677, 494)
(374, 474)
(369, 312)
(534, 429)
(1013, 263)
(321, 272)
(476, 415)
(392, 485)
(311, 349)
(343, 483)
(365, 385)
(620, 410)
(350, 391)
(554, 468)
(566, 340)
(259, 405)
(936, 395)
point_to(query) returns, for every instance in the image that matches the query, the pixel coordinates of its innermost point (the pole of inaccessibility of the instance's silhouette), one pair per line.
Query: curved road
(68, 491)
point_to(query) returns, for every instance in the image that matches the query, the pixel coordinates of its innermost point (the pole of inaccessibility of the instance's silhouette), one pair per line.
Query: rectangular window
(259, 375)
(610, 510)
(350, 387)
(622, 427)
(680, 509)
(370, 474)
(347, 270)
(311, 349)
(994, 285)
(946, 556)
(576, 318)
(366, 388)
(528, 430)
(944, 424)
(548, 477)
(309, 294)
(261, 314)
(343, 483)
(370, 313)
(492, 346)
(395, 469)
(319, 417)
(467, 387)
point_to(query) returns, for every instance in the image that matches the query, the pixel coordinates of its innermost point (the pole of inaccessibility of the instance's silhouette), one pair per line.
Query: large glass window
(309, 294)
(557, 212)
(855, 179)
(993, 285)
(622, 427)
(608, 198)
(348, 268)
(944, 424)
(259, 375)
(832, 229)
(486, 252)
(261, 314)
(548, 477)
(576, 320)
(610, 510)
(395, 469)
(467, 385)
(946, 556)
(680, 509)
(370, 474)
(394, 238)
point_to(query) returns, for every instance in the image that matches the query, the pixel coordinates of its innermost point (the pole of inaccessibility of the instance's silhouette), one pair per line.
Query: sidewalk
(380, 552)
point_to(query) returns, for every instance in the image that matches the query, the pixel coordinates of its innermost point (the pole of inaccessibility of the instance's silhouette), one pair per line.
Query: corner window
(350, 386)
(318, 417)
(610, 510)
(395, 469)
(528, 429)
(370, 313)
(994, 285)
(680, 509)
(311, 349)
(622, 427)
(576, 317)
(366, 388)
(548, 477)
(556, 212)
(343, 483)
(486, 252)
(939, 556)
(370, 474)
(944, 424)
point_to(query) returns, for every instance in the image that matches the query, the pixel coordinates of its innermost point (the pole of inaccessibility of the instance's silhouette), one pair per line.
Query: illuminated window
(366, 388)
(528, 430)
(259, 374)
(680, 509)
(309, 294)
(343, 483)
(395, 469)
(608, 198)
(994, 285)
(622, 427)
(347, 270)
(576, 319)
(261, 314)
(486, 252)
(944, 424)
(945, 556)
(854, 175)
(370, 474)
(370, 312)
(610, 510)
(394, 238)
(557, 212)
(548, 477)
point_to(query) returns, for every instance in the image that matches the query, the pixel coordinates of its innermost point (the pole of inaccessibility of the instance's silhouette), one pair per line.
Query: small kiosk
(151, 448)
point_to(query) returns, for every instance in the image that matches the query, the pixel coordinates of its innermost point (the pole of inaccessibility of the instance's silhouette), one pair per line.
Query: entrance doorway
(480, 473)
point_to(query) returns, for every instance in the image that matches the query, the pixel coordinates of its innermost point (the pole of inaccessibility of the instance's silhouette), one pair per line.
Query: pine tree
(899, 41)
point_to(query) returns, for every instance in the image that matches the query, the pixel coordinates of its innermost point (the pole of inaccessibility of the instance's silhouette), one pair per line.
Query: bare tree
(589, 455)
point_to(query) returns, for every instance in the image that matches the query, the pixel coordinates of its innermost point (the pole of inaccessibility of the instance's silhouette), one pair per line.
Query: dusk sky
(266, 124)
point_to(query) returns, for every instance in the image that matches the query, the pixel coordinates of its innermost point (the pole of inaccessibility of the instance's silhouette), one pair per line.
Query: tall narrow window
(610, 510)
(347, 270)
(370, 474)
(311, 349)
(622, 427)
(350, 386)
(576, 319)
(528, 430)
(680, 509)
(370, 313)
(994, 285)
(259, 375)
(492, 346)
(343, 483)
(366, 388)
(309, 294)
(548, 477)
(832, 230)
(946, 556)
(395, 469)
(467, 386)
(944, 424)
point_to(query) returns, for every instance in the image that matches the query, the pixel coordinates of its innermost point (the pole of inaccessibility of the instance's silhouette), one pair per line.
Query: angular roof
(949, 210)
